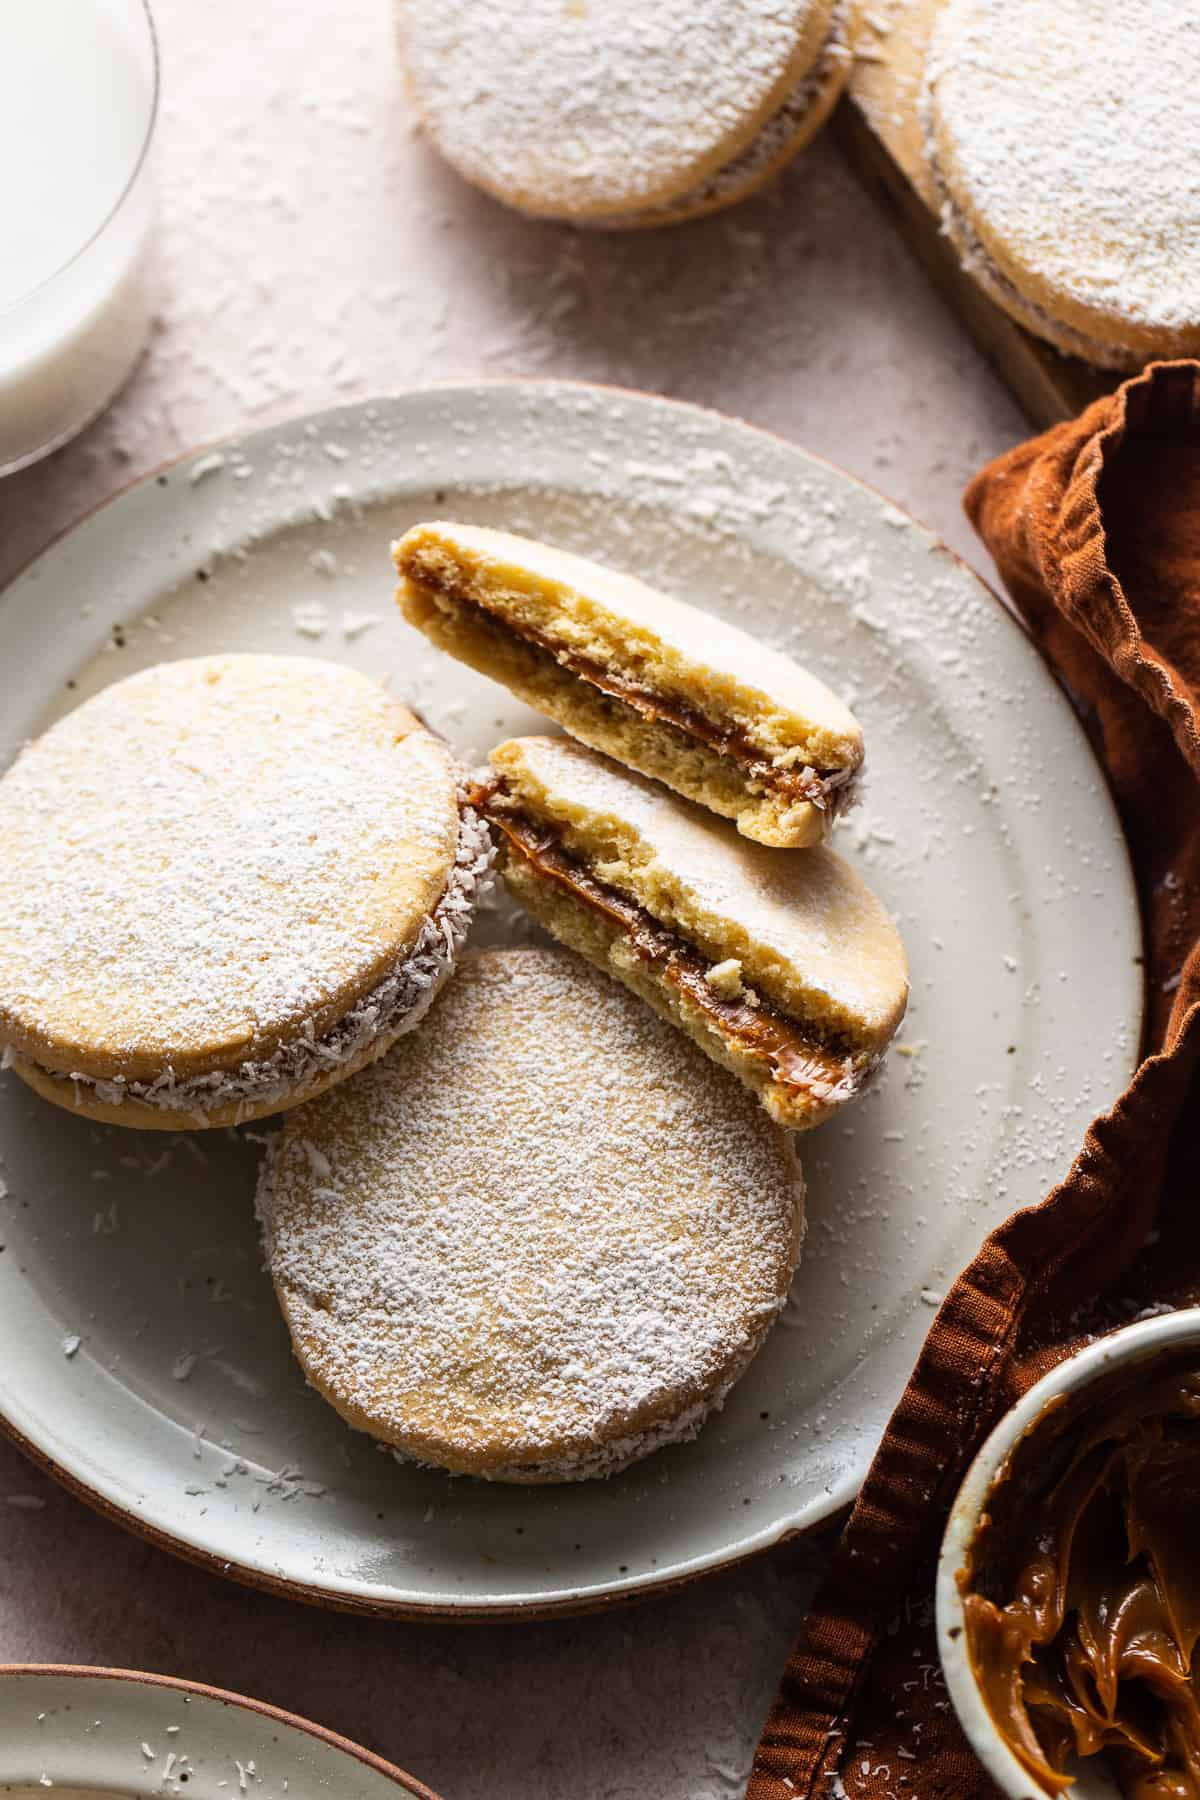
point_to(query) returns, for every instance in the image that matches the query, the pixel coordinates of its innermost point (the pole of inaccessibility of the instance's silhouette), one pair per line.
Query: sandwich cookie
(650, 680)
(1061, 137)
(617, 114)
(540, 1239)
(785, 969)
(226, 884)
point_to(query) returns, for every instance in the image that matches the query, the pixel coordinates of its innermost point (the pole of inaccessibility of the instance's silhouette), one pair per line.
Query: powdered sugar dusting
(1072, 130)
(976, 260)
(595, 106)
(213, 857)
(772, 144)
(396, 1006)
(594, 1280)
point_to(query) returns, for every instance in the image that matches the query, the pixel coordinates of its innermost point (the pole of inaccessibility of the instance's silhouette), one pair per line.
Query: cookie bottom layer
(605, 1459)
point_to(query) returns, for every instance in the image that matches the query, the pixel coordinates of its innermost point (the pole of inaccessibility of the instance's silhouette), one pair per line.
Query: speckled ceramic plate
(142, 1356)
(106, 1734)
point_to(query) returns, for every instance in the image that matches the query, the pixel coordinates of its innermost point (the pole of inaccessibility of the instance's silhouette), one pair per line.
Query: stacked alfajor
(1060, 137)
(621, 114)
(225, 885)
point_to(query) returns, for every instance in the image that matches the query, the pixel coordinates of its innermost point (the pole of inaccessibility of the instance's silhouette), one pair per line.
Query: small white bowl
(1134, 1344)
(121, 1736)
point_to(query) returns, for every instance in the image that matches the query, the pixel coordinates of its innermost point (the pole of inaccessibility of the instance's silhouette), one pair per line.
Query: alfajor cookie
(617, 114)
(538, 1240)
(785, 969)
(226, 884)
(1061, 137)
(663, 687)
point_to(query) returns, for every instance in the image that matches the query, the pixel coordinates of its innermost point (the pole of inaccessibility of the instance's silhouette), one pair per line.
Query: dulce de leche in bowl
(1070, 1641)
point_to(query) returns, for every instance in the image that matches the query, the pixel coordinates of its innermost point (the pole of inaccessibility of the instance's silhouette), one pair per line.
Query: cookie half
(538, 1240)
(617, 114)
(226, 884)
(785, 969)
(661, 686)
(1061, 137)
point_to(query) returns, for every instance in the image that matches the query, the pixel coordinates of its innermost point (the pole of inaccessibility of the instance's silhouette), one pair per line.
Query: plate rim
(13, 1671)
(578, 1601)
(511, 1609)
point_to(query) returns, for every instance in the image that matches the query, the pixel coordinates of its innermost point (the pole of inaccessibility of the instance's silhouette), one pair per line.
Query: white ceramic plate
(141, 1352)
(107, 1734)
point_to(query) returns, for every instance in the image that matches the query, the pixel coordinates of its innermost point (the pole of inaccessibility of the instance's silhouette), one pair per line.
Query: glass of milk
(78, 98)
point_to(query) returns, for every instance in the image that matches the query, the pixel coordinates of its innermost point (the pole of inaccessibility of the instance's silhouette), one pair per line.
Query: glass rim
(139, 163)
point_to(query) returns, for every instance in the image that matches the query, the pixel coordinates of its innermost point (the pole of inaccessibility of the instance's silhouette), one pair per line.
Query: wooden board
(878, 131)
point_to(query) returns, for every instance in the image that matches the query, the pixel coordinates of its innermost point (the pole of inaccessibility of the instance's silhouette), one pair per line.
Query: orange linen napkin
(1095, 527)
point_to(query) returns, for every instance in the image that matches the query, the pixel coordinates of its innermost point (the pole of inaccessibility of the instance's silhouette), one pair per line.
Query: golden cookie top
(1064, 134)
(212, 857)
(542, 1226)
(581, 108)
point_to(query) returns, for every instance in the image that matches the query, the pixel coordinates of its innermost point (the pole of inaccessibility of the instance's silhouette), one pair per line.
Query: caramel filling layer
(797, 1061)
(826, 789)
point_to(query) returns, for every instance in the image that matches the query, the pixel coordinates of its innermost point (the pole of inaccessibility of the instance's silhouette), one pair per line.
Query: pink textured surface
(312, 251)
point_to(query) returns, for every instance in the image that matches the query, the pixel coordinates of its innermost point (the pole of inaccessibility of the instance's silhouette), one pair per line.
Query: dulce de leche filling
(1082, 1590)
(796, 1060)
(826, 789)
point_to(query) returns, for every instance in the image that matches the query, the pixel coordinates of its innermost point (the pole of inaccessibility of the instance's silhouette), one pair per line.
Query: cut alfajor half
(225, 885)
(785, 969)
(654, 682)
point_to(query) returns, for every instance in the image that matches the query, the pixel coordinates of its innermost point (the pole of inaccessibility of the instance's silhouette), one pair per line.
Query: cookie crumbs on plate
(206, 465)
(354, 624)
(310, 618)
